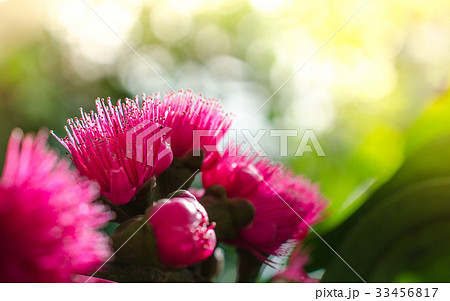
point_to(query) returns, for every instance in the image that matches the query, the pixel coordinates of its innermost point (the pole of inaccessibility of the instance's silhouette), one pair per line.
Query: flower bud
(182, 231)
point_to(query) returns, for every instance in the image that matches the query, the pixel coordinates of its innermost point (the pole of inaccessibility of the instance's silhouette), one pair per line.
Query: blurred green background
(374, 94)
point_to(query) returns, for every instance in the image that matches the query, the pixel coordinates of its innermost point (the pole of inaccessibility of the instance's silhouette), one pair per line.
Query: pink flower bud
(183, 234)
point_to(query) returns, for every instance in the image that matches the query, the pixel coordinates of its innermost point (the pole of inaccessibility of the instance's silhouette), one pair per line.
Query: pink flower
(294, 271)
(48, 223)
(100, 150)
(186, 113)
(180, 226)
(284, 204)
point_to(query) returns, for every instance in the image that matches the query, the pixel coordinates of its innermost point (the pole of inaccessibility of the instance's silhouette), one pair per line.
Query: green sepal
(230, 215)
(135, 242)
(180, 174)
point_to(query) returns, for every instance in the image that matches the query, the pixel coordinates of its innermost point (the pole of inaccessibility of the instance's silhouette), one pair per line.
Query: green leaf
(110, 227)
(407, 231)
(433, 123)
(415, 198)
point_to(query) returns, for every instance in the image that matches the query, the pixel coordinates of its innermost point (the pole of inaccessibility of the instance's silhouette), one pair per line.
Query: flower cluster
(48, 221)
(112, 145)
(140, 157)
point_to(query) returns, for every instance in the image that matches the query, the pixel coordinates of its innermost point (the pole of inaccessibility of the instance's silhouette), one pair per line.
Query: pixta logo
(144, 139)
(308, 141)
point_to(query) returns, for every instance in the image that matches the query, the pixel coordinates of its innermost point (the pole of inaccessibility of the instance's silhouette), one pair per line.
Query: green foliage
(396, 235)
(401, 232)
